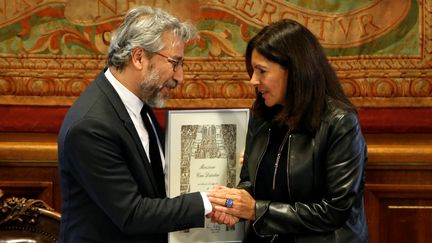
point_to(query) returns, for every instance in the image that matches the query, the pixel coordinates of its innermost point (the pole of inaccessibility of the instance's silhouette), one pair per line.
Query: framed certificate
(202, 150)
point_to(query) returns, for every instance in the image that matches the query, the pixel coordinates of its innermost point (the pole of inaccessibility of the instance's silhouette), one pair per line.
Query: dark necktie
(156, 162)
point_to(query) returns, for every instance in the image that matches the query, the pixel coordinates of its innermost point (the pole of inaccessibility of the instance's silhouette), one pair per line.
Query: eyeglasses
(176, 63)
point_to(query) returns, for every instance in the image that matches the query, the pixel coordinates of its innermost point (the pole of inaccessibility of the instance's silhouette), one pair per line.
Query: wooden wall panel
(31, 180)
(29, 189)
(398, 192)
(399, 212)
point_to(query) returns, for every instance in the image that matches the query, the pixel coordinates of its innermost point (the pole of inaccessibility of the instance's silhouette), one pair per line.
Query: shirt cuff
(207, 205)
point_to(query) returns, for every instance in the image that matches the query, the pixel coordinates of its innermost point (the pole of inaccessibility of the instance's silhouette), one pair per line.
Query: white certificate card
(203, 148)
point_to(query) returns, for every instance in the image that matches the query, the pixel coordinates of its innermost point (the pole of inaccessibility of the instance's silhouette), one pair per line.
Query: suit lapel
(120, 108)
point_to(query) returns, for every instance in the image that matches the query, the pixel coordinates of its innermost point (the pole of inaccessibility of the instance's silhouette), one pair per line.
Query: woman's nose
(254, 80)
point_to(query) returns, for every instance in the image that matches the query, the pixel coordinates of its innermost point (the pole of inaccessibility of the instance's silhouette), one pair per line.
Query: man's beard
(151, 89)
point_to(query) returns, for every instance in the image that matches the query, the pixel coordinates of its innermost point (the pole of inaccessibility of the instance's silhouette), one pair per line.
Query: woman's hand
(242, 206)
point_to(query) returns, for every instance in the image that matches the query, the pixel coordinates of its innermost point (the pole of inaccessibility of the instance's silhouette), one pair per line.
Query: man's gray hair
(143, 27)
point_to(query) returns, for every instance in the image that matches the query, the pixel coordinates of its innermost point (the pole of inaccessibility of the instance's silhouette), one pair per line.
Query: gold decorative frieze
(380, 49)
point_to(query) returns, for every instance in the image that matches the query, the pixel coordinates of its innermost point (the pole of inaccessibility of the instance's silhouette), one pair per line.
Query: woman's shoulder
(340, 115)
(336, 107)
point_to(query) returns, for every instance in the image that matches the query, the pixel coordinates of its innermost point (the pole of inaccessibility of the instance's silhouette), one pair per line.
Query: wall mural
(50, 50)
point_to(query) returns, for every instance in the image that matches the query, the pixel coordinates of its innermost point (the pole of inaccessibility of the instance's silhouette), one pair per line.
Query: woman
(302, 178)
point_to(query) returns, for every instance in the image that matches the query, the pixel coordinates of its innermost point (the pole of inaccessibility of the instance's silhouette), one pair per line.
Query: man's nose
(178, 75)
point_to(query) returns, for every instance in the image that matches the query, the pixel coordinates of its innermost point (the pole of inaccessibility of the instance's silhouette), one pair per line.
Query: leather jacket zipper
(279, 156)
(288, 165)
(274, 238)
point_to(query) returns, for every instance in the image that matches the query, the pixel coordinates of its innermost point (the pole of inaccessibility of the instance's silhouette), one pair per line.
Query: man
(112, 184)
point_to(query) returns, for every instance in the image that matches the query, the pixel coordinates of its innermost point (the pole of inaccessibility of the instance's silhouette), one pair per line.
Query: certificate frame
(203, 149)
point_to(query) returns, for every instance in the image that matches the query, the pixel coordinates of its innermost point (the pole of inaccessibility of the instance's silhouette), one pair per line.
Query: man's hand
(222, 218)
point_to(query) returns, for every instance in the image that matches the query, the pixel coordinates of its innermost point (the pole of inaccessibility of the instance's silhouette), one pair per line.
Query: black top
(264, 185)
(266, 188)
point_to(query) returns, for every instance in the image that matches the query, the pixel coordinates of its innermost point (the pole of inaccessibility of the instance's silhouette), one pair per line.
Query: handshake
(230, 205)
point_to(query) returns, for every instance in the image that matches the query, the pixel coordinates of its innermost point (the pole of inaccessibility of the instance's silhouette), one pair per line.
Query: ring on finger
(229, 203)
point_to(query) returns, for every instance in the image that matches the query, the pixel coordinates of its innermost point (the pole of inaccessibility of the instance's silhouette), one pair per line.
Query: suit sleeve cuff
(207, 205)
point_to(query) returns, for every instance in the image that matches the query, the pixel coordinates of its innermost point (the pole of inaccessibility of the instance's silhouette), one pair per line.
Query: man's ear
(139, 58)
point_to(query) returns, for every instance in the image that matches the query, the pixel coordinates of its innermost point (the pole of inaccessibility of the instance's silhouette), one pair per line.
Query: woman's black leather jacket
(325, 174)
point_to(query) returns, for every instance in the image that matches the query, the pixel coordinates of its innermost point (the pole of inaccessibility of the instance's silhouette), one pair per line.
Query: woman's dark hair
(312, 82)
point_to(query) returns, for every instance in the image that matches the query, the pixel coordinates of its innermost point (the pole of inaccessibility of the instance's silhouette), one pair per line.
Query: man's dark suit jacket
(109, 193)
